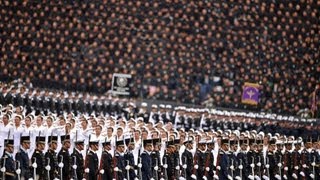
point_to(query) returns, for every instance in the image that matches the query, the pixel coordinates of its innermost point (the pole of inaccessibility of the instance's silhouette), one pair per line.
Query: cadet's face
(17, 120)
(27, 121)
(67, 144)
(120, 149)
(41, 146)
(39, 121)
(26, 145)
(54, 146)
(10, 148)
(5, 119)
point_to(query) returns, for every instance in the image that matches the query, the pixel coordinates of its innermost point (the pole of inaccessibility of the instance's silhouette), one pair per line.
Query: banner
(120, 84)
(250, 94)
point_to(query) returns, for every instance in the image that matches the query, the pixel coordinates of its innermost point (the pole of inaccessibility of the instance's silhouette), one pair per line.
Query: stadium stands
(185, 51)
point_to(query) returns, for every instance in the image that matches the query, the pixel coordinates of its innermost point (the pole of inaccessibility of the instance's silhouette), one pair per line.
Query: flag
(250, 94)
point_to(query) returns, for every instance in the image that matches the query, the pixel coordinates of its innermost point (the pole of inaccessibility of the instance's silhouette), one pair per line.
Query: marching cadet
(168, 160)
(209, 160)
(146, 159)
(38, 162)
(200, 160)
(92, 161)
(155, 158)
(143, 112)
(106, 166)
(77, 158)
(51, 162)
(287, 160)
(251, 158)
(64, 158)
(8, 170)
(259, 159)
(271, 170)
(307, 160)
(243, 159)
(23, 158)
(223, 162)
(296, 157)
(129, 158)
(118, 161)
(233, 159)
(187, 159)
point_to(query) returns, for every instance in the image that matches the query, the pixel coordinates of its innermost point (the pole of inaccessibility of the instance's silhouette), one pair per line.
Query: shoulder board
(116, 155)
(37, 151)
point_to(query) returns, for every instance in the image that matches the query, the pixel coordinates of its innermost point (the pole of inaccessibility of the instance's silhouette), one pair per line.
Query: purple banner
(250, 94)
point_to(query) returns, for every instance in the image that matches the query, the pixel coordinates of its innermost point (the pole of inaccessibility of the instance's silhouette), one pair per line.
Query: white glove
(74, 166)
(216, 176)
(204, 178)
(294, 176)
(87, 170)
(139, 165)
(34, 165)
(267, 166)
(312, 176)
(127, 167)
(30, 179)
(152, 179)
(165, 166)
(296, 167)
(60, 165)
(238, 178)
(48, 168)
(156, 168)
(232, 167)
(285, 168)
(257, 177)
(101, 171)
(18, 171)
(196, 166)
(285, 177)
(265, 177)
(229, 177)
(252, 165)
(116, 169)
(302, 174)
(3, 169)
(240, 167)
(277, 176)
(177, 167)
(304, 166)
(182, 178)
(207, 169)
(138, 178)
(313, 164)
(259, 164)
(218, 167)
(193, 176)
(184, 166)
(279, 164)
(251, 177)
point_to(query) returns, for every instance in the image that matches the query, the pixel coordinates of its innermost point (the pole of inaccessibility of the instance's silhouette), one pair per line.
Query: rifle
(48, 171)
(61, 168)
(4, 166)
(177, 168)
(241, 168)
(280, 157)
(18, 168)
(185, 168)
(232, 169)
(165, 169)
(156, 171)
(35, 169)
(313, 166)
(87, 159)
(75, 176)
(114, 161)
(268, 172)
(128, 174)
(252, 168)
(259, 167)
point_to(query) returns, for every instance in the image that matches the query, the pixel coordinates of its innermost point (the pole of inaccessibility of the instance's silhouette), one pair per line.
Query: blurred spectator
(185, 51)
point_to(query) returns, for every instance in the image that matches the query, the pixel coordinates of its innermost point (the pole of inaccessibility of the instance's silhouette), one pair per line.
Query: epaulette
(117, 155)
(37, 151)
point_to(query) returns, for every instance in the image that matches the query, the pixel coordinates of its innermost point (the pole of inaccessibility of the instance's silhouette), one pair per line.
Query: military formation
(156, 144)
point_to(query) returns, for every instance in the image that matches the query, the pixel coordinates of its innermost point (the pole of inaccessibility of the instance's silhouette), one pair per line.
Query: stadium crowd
(183, 51)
